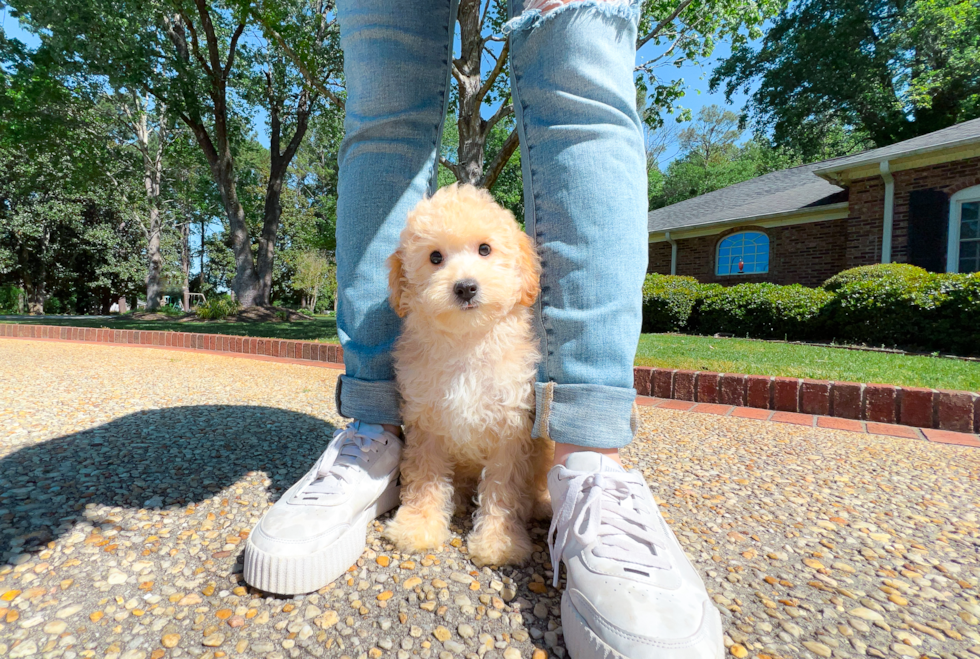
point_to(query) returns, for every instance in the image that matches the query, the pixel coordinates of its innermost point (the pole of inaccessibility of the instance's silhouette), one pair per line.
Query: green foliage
(891, 305)
(686, 37)
(315, 275)
(11, 299)
(217, 308)
(668, 302)
(711, 157)
(893, 70)
(764, 311)
(925, 311)
(872, 272)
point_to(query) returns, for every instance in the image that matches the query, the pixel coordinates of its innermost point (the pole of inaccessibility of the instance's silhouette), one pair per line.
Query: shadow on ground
(153, 459)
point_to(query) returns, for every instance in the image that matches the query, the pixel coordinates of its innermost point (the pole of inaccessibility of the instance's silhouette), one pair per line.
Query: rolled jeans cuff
(376, 401)
(594, 416)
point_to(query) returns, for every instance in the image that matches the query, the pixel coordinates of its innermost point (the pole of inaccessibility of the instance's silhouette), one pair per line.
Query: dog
(464, 278)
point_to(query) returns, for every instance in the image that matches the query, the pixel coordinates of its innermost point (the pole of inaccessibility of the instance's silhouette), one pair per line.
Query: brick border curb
(221, 343)
(955, 411)
(815, 421)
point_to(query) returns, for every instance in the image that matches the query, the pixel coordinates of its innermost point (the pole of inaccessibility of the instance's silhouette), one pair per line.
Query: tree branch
(662, 24)
(308, 77)
(450, 166)
(500, 160)
(505, 110)
(232, 48)
(497, 68)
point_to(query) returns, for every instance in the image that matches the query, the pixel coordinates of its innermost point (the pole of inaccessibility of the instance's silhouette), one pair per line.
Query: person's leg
(629, 589)
(585, 186)
(397, 64)
(396, 61)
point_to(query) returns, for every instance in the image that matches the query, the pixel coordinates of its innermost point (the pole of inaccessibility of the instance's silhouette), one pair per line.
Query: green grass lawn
(663, 350)
(323, 328)
(767, 358)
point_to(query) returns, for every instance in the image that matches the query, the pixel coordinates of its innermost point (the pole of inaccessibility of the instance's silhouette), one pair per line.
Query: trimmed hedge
(881, 305)
(764, 311)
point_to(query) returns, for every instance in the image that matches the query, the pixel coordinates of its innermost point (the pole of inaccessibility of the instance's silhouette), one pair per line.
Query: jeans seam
(444, 93)
(530, 219)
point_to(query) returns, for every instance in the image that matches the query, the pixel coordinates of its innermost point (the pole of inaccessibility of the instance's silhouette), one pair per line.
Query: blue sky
(694, 77)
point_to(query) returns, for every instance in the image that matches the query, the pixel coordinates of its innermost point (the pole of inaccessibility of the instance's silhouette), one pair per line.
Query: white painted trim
(955, 210)
(738, 233)
(838, 211)
(673, 253)
(889, 219)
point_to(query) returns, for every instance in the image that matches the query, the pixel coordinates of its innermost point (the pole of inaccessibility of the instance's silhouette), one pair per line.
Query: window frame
(739, 233)
(965, 196)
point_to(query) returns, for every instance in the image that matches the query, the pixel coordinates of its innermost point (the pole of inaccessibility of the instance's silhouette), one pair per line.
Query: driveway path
(129, 478)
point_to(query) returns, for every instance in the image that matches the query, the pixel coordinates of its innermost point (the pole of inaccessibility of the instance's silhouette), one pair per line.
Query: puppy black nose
(465, 289)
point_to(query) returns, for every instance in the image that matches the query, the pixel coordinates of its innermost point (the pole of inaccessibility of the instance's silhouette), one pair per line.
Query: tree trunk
(35, 293)
(154, 285)
(152, 177)
(313, 303)
(185, 263)
(473, 129)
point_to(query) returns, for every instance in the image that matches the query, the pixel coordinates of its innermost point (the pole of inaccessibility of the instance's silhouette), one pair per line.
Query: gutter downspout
(673, 253)
(886, 233)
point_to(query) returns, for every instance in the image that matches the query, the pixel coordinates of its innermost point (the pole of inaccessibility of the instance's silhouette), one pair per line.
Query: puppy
(464, 278)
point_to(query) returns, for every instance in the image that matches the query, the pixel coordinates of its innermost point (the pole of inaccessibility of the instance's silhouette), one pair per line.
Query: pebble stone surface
(130, 477)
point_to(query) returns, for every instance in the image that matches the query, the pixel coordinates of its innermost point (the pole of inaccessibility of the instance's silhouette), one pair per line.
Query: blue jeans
(584, 170)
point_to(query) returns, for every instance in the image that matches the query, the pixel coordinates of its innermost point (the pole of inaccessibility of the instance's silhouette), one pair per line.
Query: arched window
(745, 253)
(963, 251)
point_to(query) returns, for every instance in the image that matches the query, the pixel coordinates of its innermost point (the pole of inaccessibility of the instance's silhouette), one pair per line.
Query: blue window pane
(971, 211)
(970, 229)
(751, 249)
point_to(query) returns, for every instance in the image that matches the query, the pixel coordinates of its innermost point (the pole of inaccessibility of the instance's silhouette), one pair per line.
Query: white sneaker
(317, 529)
(630, 591)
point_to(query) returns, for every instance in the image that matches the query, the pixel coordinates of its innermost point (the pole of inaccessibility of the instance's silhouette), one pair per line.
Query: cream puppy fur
(464, 278)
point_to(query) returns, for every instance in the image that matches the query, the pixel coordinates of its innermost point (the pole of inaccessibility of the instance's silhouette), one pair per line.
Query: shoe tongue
(369, 429)
(590, 461)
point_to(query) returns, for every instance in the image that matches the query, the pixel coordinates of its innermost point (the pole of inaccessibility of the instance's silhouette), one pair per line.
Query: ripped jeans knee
(536, 11)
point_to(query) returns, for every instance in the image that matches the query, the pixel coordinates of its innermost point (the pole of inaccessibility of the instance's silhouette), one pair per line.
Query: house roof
(784, 191)
(797, 189)
(964, 133)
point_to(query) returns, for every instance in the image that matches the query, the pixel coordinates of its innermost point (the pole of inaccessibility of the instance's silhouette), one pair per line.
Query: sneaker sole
(295, 575)
(582, 643)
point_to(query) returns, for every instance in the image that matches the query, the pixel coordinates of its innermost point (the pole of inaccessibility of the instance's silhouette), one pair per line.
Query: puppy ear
(530, 267)
(396, 285)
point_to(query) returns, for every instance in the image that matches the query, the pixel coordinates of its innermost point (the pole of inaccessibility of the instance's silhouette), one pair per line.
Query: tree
(191, 57)
(712, 158)
(674, 32)
(315, 275)
(890, 70)
(63, 236)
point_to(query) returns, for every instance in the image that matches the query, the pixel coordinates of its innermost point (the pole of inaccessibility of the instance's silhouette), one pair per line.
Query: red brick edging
(246, 345)
(957, 411)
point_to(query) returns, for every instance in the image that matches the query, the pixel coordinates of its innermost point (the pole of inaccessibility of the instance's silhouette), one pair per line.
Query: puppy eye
(484, 250)
(435, 258)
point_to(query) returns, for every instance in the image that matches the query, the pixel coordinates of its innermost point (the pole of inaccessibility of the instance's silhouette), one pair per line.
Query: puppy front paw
(413, 530)
(499, 543)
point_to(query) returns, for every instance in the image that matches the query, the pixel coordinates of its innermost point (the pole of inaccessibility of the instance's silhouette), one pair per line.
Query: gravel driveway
(129, 478)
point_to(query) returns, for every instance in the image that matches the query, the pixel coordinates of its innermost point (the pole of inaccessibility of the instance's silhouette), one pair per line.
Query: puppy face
(462, 262)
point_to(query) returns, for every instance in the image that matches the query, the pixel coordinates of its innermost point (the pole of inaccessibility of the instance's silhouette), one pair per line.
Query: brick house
(916, 201)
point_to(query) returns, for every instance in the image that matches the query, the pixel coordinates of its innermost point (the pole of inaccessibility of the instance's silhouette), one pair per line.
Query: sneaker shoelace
(342, 457)
(611, 516)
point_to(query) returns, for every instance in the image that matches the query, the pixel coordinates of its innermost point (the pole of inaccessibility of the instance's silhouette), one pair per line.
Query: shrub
(11, 299)
(933, 312)
(668, 302)
(217, 308)
(763, 311)
(873, 272)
